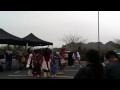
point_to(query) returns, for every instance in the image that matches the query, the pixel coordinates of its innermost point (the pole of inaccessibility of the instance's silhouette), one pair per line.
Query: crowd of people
(43, 60)
(39, 60)
(36, 61)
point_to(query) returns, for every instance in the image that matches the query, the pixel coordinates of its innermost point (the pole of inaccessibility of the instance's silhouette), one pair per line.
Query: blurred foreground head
(111, 55)
(93, 56)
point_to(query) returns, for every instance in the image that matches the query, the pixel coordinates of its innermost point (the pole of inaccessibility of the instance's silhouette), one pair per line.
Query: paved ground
(69, 72)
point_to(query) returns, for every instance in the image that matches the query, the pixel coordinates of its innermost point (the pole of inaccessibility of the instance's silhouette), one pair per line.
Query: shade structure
(32, 40)
(7, 38)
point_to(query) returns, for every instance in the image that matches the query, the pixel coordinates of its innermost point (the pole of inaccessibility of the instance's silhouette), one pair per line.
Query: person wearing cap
(113, 67)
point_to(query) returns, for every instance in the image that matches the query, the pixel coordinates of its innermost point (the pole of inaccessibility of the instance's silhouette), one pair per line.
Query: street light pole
(98, 35)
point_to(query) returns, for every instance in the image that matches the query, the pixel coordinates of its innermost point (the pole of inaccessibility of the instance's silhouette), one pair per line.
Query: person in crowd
(30, 60)
(1, 67)
(53, 66)
(62, 51)
(62, 62)
(40, 56)
(46, 63)
(36, 67)
(62, 58)
(113, 67)
(78, 58)
(20, 56)
(73, 58)
(9, 55)
(94, 68)
(59, 63)
(26, 57)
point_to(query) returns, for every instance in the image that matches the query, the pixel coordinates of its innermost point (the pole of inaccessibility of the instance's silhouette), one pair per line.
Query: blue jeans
(8, 65)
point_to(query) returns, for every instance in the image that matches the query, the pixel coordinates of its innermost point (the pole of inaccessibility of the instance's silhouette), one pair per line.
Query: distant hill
(109, 45)
(94, 45)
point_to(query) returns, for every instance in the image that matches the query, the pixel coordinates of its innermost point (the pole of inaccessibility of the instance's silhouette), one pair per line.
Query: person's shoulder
(109, 65)
(117, 62)
(89, 67)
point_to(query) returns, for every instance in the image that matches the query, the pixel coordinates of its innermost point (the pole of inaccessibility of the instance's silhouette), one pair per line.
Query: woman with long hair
(94, 68)
(46, 63)
(29, 63)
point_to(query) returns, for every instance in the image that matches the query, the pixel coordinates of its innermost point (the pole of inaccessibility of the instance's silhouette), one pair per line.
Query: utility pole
(98, 35)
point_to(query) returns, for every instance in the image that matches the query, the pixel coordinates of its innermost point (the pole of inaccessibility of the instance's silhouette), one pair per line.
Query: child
(53, 67)
(62, 62)
(36, 67)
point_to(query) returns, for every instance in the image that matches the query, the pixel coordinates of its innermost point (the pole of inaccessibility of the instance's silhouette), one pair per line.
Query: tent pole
(8, 46)
(26, 47)
(52, 50)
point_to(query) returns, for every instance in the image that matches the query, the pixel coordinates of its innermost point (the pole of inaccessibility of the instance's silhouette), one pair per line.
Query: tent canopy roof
(32, 40)
(37, 42)
(7, 38)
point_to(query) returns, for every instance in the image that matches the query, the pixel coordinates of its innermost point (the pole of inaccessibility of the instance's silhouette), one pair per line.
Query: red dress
(62, 51)
(37, 68)
(40, 56)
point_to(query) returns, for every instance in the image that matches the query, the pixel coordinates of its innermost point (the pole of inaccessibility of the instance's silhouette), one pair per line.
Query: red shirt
(33, 52)
(62, 51)
(36, 63)
(40, 57)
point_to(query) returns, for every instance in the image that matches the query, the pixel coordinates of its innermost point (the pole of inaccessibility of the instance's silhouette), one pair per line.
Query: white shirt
(29, 60)
(73, 56)
(9, 52)
(78, 55)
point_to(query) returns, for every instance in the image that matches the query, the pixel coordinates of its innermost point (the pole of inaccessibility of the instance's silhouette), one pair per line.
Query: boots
(45, 74)
(30, 72)
(48, 74)
(54, 75)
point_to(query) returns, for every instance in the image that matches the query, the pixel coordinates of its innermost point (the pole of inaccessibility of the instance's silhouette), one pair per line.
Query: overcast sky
(53, 25)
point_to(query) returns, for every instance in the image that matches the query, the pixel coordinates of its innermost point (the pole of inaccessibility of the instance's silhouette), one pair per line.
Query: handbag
(23, 59)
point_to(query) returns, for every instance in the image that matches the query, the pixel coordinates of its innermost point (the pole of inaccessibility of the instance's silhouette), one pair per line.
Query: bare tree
(116, 43)
(73, 41)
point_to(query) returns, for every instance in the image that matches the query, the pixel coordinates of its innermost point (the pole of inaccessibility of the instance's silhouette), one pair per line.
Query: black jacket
(89, 72)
